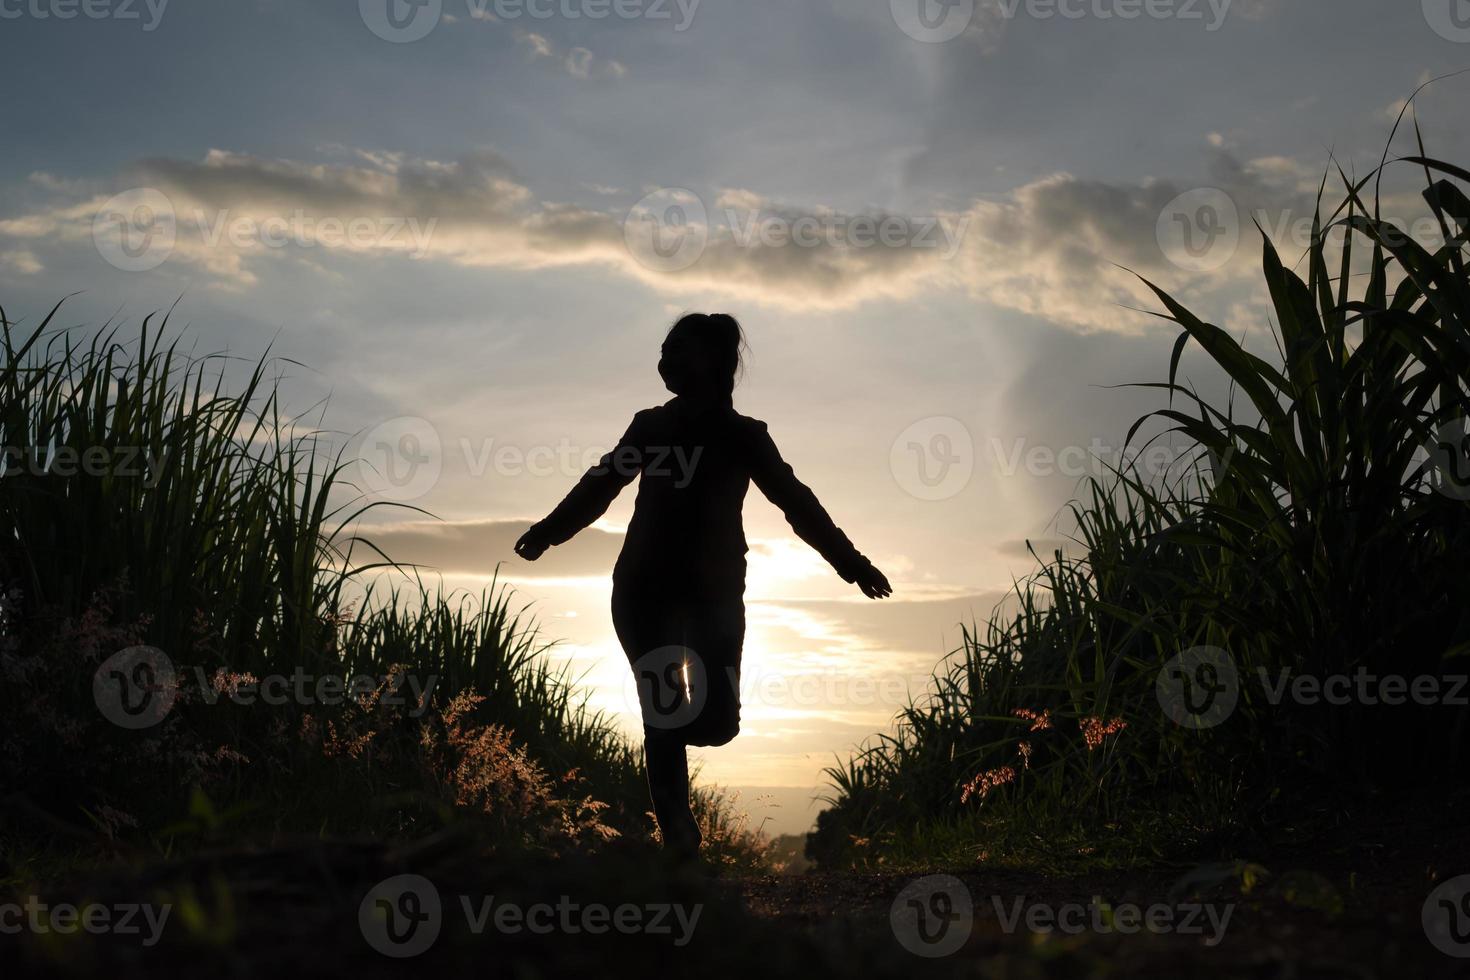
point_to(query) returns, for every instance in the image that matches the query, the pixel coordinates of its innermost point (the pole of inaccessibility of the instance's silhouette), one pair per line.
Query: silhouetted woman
(679, 583)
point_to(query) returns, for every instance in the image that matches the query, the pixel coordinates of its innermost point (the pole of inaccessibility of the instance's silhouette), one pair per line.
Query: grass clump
(1321, 531)
(145, 500)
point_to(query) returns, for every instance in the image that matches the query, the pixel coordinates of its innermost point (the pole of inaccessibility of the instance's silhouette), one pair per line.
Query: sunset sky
(471, 222)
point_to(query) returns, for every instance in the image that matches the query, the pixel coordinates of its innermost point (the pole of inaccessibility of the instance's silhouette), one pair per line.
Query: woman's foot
(682, 839)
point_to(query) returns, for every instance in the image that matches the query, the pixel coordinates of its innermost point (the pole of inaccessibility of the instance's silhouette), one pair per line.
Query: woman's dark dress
(680, 580)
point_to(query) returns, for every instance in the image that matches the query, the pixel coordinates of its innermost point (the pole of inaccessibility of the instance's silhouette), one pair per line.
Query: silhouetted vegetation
(146, 502)
(1311, 535)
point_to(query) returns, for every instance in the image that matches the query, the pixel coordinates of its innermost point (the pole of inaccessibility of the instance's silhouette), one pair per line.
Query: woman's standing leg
(645, 625)
(667, 761)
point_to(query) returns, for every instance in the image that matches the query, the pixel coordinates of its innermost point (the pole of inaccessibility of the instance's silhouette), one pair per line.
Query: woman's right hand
(532, 545)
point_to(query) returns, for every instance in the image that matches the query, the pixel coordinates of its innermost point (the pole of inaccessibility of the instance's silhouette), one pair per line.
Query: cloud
(579, 62)
(927, 626)
(478, 547)
(539, 45)
(1051, 247)
(22, 261)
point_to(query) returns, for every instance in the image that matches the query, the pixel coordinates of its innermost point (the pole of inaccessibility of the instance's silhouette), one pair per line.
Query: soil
(1350, 907)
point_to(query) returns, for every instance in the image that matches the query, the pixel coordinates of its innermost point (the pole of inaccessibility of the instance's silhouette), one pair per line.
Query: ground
(1344, 906)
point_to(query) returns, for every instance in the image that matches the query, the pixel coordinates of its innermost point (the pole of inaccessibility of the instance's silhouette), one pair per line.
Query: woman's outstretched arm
(590, 498)
(808, 518)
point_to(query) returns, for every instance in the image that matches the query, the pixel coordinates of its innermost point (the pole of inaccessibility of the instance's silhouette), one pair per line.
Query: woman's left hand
(873, 582)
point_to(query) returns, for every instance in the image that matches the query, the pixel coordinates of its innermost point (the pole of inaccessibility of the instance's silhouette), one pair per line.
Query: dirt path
(1304, 925)
(1349, 911)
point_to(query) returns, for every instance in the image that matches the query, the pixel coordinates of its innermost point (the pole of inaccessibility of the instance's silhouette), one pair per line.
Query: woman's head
(702, 355)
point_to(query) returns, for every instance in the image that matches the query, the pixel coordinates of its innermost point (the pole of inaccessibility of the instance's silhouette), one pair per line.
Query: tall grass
(151, 497)
(204, 502)
(1310, 536)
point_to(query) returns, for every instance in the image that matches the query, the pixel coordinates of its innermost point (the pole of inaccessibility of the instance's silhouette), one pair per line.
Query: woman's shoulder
(749, 422)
